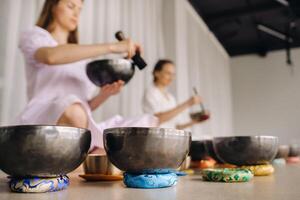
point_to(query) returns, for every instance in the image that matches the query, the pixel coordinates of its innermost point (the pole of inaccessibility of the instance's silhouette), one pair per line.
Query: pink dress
(51, 89)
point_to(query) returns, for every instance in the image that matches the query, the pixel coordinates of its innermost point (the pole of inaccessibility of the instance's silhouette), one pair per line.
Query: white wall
(205, 52)
(266, 96)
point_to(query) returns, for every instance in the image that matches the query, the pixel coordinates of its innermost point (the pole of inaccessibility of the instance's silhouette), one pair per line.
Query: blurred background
(240, 54)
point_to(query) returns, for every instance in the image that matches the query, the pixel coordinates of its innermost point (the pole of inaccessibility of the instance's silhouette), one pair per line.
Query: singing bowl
(211, 152)
(199, 116)
(294, 150)
(99, 164)
(107, 71)
(283, 151)
(198, 150)
(246, 150)
(201, 149)
(135, 149)
(41, 150)
(185, 165)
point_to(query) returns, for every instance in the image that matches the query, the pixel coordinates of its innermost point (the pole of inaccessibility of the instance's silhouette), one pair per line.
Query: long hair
(159, 67)
(46, 18)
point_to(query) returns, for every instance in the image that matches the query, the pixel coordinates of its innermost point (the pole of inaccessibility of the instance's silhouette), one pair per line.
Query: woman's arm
(69, 53)
(168, 115)
(105, 92)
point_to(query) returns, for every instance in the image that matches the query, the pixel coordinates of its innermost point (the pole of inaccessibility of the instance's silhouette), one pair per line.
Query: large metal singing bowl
(198, 150)
(211, 151)
(246, 150)
(294, 150)
(135, 149)
(283, 151)
(43, 151)
(102, 72)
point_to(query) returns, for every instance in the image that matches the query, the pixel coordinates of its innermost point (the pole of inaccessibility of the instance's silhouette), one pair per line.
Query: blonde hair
(46, 18)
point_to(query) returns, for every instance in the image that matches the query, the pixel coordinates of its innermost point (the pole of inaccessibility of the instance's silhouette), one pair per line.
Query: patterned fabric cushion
(260, 170)
(38, 185)
(152, 178)
(227, 175)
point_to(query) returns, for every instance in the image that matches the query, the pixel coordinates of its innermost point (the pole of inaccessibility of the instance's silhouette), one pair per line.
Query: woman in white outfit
(158, 101)
(58, 90)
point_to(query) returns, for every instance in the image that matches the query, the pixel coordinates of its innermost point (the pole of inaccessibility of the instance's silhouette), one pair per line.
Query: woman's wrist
(114, 47)
(101, 96)
(107, 48)
(97, 100)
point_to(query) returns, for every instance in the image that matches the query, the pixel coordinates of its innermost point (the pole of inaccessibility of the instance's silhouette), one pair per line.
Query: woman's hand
(111, 89)
(126, 46)
(194, 100)
(105, 92)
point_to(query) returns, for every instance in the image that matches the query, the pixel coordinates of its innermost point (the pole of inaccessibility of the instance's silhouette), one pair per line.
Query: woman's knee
(75, 115)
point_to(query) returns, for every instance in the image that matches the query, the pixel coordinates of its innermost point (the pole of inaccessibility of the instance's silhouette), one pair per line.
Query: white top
(156, 101)
(51, 89)
(49, 82)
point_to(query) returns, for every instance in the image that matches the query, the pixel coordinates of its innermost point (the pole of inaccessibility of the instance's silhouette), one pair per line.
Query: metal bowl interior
(246, 150)
(107, 71)
(42, 150)
(135, 149)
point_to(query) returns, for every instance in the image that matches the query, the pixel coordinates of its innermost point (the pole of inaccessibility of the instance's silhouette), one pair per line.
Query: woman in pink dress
(58, 90)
